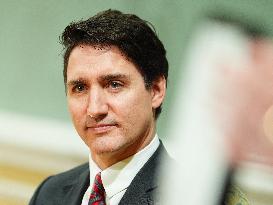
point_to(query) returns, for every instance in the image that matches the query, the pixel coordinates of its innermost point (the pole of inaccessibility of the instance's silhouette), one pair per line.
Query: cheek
(133, 107)
(76, 110)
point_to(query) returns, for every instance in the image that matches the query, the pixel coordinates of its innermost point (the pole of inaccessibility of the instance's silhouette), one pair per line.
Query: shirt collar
(118, 177)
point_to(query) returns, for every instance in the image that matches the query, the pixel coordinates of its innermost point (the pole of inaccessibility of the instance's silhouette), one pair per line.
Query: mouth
(102, 128)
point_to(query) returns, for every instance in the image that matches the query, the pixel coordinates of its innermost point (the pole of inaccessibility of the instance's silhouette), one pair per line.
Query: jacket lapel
(140, 192)
(74, 190)
(143, 188)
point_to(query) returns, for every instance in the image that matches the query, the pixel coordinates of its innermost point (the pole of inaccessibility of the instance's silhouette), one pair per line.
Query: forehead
(97, 60)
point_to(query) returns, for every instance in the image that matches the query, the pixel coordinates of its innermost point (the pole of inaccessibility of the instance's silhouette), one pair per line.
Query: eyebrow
(76, 82)
(108, 77)
(117, 76)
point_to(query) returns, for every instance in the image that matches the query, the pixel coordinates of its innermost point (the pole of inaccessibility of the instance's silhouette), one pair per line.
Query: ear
(158, 91)
(262, 52)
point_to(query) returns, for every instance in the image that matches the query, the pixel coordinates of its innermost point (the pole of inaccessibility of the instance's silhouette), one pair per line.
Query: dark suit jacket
(69, 187)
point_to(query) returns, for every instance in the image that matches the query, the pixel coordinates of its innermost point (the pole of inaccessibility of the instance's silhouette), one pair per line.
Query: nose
(97, 104)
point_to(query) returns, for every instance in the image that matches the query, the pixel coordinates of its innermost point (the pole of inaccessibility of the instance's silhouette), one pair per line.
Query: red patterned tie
(97, 196)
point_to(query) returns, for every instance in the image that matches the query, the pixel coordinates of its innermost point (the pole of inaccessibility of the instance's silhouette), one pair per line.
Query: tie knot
(98, 194)
(98, 186)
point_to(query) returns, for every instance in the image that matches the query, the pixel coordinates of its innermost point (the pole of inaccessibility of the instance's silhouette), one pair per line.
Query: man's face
(110, 107)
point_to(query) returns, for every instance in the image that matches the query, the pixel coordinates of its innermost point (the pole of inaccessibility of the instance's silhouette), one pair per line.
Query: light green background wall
(30, 56)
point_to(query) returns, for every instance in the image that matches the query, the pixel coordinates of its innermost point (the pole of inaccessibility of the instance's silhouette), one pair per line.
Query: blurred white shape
(40, 134)
(197, 138)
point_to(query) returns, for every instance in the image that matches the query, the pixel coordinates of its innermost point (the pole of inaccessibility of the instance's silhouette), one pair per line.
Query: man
(115, 73)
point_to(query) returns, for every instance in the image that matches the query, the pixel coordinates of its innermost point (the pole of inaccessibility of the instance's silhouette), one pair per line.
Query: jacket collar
(144, 186)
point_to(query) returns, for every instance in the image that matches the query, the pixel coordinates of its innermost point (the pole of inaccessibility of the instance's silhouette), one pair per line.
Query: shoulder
(70, 174)
(54, 186)
(67, 177)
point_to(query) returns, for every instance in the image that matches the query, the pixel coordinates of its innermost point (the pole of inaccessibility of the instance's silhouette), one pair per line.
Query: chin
(104, 145)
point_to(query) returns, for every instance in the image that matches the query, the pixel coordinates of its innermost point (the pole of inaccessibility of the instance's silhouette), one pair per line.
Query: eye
(115, 85)
(79, 88)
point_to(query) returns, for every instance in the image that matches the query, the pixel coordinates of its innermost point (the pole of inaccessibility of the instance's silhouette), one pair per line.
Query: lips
(101, 128)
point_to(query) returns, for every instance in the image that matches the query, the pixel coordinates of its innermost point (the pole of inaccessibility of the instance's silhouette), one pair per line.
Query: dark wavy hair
(134, 37)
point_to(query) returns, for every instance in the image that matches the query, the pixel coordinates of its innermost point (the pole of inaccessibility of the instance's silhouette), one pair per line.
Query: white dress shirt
(117, 178)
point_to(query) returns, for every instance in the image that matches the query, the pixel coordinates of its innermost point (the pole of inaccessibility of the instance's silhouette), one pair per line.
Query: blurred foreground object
(244, 104)
(223, 116)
